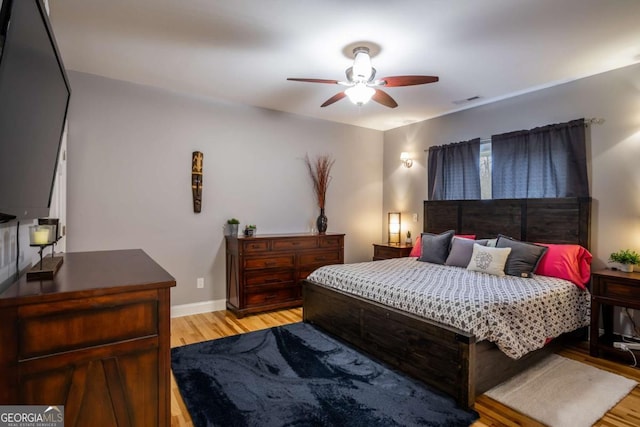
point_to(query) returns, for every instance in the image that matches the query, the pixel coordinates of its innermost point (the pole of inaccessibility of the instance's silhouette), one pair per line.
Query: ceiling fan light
(360, 93)
(362, 66)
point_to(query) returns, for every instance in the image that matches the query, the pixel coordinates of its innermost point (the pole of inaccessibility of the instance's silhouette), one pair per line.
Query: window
(485, 170)
(548, 161)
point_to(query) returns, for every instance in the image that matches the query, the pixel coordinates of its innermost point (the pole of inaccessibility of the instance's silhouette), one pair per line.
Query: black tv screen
(34, 97)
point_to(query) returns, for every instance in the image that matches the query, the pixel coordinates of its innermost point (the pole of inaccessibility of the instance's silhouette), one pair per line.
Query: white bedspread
(517, 314)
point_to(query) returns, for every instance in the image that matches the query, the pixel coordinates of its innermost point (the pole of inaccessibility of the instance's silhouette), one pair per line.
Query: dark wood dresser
(264, 272)
(95, 339)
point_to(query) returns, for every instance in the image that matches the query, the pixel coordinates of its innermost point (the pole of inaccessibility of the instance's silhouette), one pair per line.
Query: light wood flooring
(202, 327)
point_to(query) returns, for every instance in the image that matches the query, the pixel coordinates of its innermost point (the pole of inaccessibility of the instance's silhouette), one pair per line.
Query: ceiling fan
(362, 84)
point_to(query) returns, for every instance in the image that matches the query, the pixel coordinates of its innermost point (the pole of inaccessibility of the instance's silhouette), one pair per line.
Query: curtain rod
(587, 122)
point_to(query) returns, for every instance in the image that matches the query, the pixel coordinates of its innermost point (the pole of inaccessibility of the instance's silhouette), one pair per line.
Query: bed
(449, 358)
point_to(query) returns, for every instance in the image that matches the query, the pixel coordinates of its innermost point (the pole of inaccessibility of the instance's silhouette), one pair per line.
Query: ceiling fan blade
(333, 82)
(395, 81)
(383, 98)
(335, 98)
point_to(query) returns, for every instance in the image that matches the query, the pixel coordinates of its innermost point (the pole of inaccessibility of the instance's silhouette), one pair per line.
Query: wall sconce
(394, 228)
(406, 159)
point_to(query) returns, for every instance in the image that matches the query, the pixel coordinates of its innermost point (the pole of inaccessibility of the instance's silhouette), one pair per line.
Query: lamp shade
(394, 221)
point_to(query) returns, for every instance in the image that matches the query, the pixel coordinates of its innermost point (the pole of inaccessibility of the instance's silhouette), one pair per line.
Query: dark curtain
(454, 171)
(549, 161)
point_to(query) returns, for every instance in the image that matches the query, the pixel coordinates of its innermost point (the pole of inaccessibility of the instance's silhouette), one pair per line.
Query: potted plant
(232, 227)
(250, 230)
(625, 259)
(408, 241)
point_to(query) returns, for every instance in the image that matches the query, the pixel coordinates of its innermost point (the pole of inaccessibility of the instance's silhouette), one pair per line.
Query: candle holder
(41, 236)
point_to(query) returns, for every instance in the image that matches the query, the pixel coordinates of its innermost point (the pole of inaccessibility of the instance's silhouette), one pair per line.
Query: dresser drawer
(262, 278)
(270, 262)
(272, 296)
(331, 241)
(255, 246)
(320, 257)
(613, 289)
(288, 244)
(86, 323)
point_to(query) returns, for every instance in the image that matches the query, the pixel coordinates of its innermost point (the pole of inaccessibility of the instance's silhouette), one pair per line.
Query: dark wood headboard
(561, 220)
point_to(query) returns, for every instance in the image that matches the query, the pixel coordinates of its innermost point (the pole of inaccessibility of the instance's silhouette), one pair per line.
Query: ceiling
(243, 50)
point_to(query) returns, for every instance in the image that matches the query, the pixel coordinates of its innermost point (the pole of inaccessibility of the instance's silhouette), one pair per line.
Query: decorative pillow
(435, 247)
(569, 262)
(488, 260)
(415, 251)
(461, 250)
(524, 257)
(492, 242)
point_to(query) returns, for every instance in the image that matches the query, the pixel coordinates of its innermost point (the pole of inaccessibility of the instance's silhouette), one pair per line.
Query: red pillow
(570, 262)
(417, 246)
(467, 236)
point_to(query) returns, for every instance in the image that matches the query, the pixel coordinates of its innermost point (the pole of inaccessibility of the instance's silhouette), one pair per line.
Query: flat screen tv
(34, 97)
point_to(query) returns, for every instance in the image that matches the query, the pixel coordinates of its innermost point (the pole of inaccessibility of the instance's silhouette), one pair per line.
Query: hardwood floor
(202, 327)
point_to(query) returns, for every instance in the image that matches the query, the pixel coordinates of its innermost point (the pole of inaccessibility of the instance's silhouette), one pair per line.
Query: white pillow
(488, 260)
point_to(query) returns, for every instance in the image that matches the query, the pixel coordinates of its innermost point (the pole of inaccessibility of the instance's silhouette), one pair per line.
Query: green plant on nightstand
(626, 259)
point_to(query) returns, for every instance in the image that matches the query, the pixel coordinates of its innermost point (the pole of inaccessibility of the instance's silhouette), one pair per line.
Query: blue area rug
(295, 375)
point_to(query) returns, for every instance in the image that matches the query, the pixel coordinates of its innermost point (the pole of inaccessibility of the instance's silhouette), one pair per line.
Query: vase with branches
(319, 171)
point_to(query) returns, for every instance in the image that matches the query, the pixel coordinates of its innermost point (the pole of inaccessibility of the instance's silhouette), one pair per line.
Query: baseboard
(198, 307)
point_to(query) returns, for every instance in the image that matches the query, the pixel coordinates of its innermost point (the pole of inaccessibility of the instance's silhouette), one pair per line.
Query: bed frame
(444, 357)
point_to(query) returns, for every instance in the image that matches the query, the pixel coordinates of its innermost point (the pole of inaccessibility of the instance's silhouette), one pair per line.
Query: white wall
(614, 149)
(129, 177)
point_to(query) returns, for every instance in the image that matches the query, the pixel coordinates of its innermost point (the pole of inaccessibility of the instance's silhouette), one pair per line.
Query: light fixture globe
(362, 68)
(360, 93)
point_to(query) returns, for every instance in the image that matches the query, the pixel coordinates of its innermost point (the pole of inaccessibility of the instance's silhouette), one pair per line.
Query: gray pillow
(435, 247)
(461, 250)
(524, 257)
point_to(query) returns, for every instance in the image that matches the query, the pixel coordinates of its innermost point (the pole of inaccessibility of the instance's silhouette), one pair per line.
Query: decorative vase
(232, 230)
(627, 268)
(321, 222)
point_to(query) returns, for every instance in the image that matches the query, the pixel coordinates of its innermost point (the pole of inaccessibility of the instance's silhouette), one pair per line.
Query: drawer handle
(295, 243)
(270, 263)
(254, 246)
(272, 296)
(321, 258)
(271, 280)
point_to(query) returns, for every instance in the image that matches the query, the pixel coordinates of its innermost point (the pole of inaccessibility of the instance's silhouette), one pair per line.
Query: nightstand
(387, 251)
(610, 288)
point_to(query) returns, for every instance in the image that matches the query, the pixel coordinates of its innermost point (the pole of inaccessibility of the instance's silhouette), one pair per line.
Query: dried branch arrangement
(319, 171)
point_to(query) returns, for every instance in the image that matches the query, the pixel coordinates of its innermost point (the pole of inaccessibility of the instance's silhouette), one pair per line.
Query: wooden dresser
(95, 339)
(264, 272)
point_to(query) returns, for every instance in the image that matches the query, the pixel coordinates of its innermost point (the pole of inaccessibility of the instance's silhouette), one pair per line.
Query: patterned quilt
(517, 314)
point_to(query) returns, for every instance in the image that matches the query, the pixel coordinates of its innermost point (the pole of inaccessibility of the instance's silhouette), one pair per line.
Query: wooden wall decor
(196, 180)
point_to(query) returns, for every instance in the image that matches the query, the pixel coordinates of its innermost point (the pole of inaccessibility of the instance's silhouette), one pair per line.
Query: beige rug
(562, 392)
